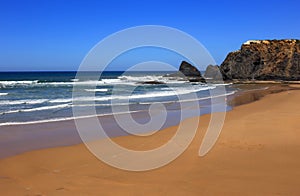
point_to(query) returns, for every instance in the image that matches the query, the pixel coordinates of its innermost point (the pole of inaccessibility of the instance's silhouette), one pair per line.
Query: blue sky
(57, 34)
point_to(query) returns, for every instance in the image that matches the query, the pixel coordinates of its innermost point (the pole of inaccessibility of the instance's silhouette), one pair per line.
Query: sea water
(31, 97)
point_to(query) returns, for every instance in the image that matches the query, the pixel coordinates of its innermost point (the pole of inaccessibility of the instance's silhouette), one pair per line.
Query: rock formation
(213, 72)
(264, 60)
(189, 72)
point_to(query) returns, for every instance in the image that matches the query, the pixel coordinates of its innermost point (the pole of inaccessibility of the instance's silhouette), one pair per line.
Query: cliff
(264, 60)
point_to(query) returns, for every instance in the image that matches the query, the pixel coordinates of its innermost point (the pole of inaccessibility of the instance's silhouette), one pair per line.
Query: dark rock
(213, 72)
(264, 60)
(189, 72)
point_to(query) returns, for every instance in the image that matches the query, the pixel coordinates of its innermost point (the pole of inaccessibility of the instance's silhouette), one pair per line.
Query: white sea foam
(97, 90)
(36, 83)
(63, 119)
(166, 93)
(78, 101)
(103, 104)
(3, 94)
(190, 100)
(223, 84)
(102, 82)
(24, 101)
(38, 109)
(116, 96)
(139, 79)
(18, 82)
(10, 84)
(91, 82)
(98, 115)
(122, 80)
(66, 100)
(111, 81)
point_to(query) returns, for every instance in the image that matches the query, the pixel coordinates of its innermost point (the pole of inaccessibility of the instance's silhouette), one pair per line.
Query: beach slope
(257, 153)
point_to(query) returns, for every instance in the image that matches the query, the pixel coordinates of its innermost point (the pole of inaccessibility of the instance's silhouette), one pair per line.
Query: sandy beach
(257, 153)
(149, 98)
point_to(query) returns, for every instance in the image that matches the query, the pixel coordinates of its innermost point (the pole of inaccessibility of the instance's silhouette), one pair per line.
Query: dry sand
(257, 153)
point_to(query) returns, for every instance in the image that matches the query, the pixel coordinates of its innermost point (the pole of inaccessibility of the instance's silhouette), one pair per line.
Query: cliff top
(269, 41)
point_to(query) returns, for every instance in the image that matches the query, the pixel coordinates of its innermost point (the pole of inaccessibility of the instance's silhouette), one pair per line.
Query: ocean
(32, 97)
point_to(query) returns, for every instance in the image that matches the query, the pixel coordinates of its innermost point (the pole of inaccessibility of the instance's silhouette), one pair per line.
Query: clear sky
(57, 34)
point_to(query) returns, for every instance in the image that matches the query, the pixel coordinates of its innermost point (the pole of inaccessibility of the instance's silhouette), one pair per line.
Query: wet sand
(257, 153)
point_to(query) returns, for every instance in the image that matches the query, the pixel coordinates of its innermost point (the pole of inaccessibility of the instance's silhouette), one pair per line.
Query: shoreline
(254, 155)
(99, 115)
(37, 136)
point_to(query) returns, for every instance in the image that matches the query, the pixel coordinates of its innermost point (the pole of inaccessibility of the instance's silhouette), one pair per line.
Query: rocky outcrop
(264, 60)
(189, 72)
(213, 72)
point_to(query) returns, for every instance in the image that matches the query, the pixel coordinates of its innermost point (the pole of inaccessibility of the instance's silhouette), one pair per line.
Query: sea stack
(264, 60)
(188, 72)
(213, 72)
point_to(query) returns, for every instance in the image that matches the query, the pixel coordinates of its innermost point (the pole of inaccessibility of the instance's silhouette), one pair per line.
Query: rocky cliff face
(264, 60)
